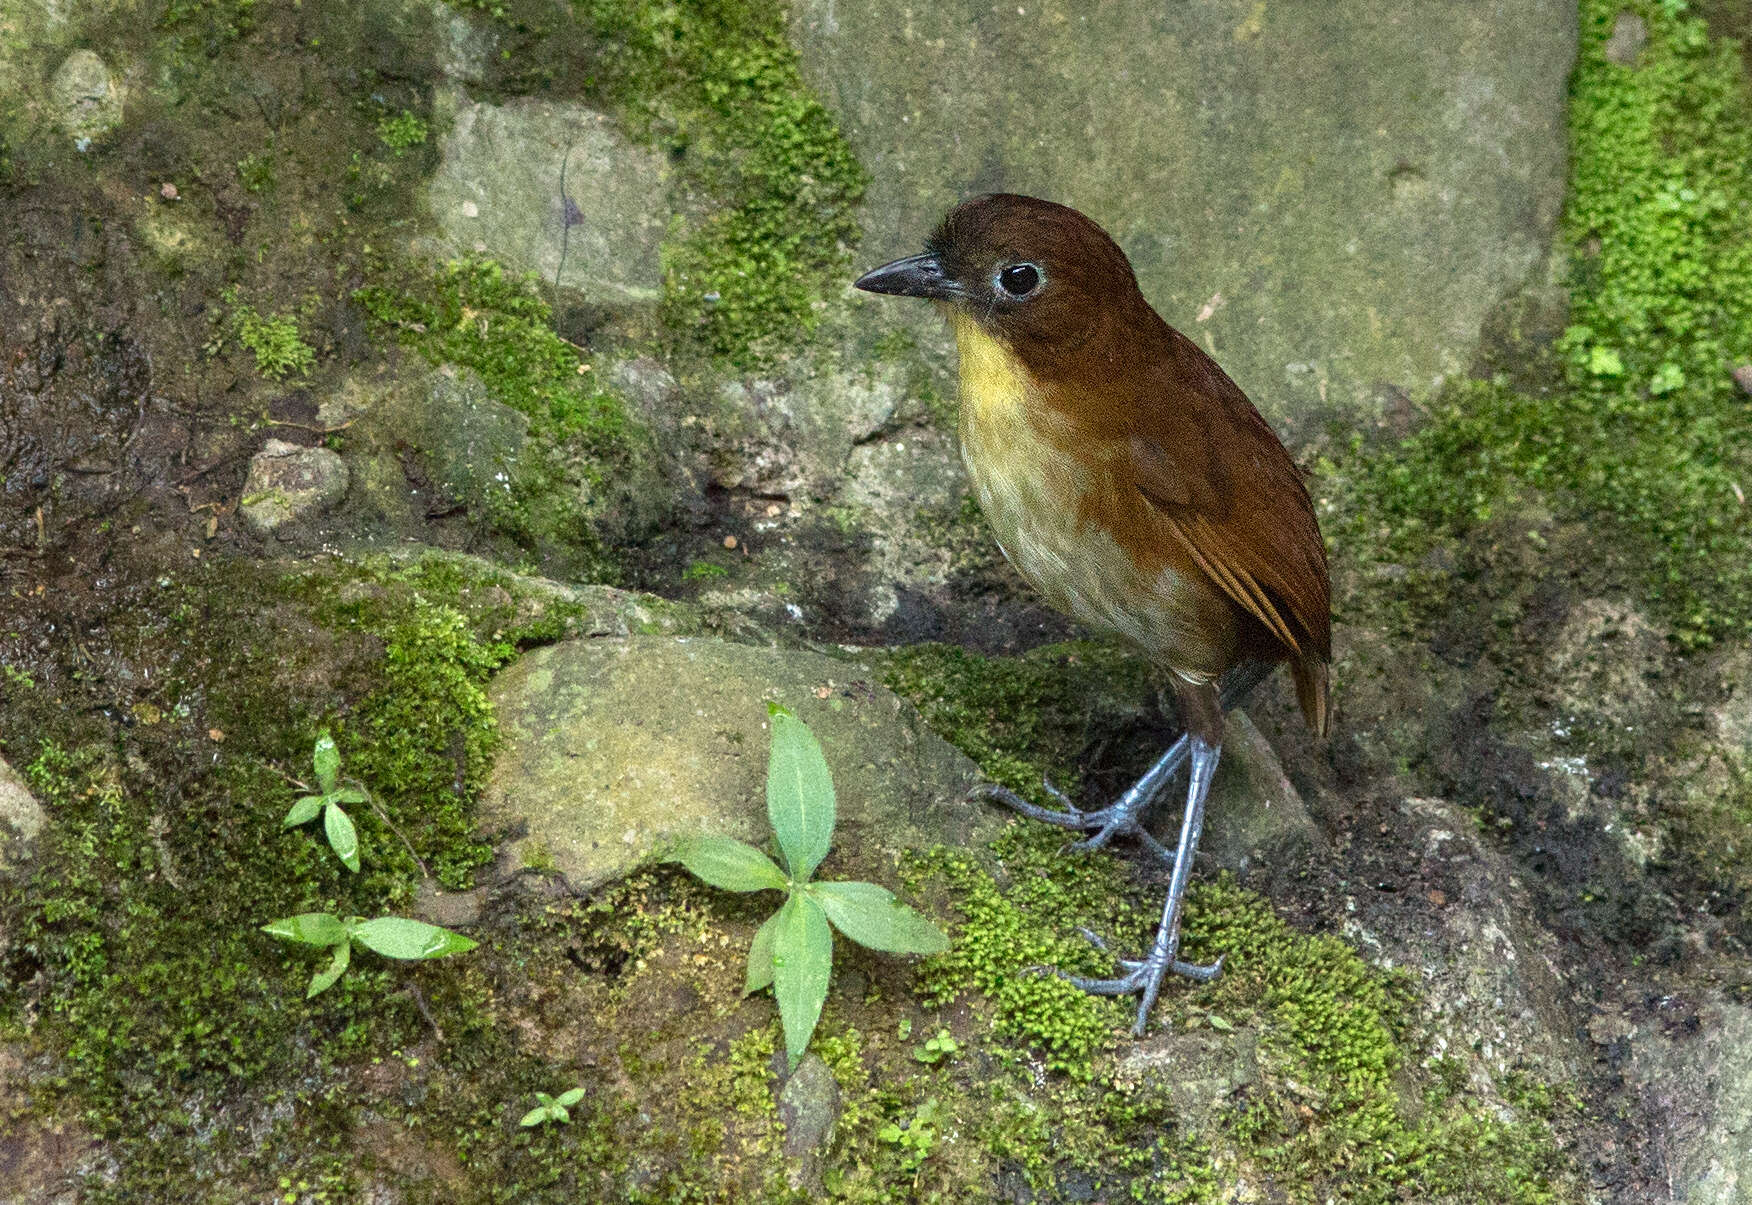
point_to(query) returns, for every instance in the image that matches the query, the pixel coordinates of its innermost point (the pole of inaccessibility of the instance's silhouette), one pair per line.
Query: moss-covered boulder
(1330, 198)
(613, 747)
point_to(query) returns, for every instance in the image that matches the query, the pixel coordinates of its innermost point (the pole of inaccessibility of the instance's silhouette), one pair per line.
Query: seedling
(936, 1049)
(390, 936)
(917, 1137)
(552, 1108)
(793, 951)
(336, 824)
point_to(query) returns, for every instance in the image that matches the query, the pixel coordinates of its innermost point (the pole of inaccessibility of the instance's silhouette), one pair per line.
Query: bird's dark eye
(1019, 280)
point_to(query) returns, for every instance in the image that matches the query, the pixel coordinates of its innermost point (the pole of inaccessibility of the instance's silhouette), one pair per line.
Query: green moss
(1021, 718)
(1638, 429)
(475, 314)
(280, 350)
(718, 84)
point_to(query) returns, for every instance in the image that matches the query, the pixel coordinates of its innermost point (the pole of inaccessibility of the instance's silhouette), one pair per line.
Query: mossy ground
(1633, 424)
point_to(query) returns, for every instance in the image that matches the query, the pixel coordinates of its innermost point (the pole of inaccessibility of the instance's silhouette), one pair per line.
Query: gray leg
(1121, 816)
(1146, 976)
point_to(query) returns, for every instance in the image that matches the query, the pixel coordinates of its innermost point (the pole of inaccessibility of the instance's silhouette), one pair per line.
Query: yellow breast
(1029, 488)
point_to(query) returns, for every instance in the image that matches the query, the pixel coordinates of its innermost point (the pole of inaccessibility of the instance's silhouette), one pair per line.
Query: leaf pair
(390, 936)
(552, 1108)
(793, 950)
(336, 824)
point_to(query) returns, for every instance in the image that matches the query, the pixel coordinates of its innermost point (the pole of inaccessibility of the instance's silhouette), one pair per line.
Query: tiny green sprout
(916, 1138)
(552, 1108)
(338, 826)
(936, 1049)
(793, 951)
(391, 936)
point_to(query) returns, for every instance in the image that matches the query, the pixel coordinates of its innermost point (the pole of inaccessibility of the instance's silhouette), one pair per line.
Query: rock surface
(287, 483)
(86, 97)
(498, 192)
(612, 747)
(21, 818)
(1329, 197)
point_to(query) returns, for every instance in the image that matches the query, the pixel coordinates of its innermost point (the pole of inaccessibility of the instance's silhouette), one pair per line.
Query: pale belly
(1021, 481)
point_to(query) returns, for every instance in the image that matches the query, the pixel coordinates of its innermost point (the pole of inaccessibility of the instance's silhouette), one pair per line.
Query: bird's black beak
(914, 276)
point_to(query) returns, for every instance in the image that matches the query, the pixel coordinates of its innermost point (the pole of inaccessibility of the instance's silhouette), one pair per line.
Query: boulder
(554, 189)
(613, 748)
(1330, 198)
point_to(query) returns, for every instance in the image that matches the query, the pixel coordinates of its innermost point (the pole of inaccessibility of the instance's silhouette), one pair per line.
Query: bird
(1135, 487)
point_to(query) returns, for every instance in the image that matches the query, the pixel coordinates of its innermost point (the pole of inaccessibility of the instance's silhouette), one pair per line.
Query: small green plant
(793, 950)
(255, 171)
(390, 936)
(280, 351)
(552, 1108)
(916, 1138)
(336, 824)
(402, 131)
(701, 570)
(936, 1049)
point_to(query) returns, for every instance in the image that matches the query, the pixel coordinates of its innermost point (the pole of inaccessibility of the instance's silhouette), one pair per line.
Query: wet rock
(1202, 1070)
(86, 99)
(1490, 977)
(287, 483)
(1630, 33)
(469, 444)
(21, 818)
(1743, 377)
(1602, 665)
(888, 483)
(451, 909)
(464, 44)
(809, 1105)
(1696, 1076)
(498, 192)
(612, 747)
(1281, 176)
(1255, 816)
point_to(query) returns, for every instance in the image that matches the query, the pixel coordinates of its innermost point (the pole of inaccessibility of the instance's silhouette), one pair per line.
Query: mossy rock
(613, 748)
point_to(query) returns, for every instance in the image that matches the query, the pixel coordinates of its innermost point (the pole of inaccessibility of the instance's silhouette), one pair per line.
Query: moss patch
(1638, 429)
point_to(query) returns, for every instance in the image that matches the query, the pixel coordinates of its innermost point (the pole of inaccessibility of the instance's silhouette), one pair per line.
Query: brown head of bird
(1133, 485)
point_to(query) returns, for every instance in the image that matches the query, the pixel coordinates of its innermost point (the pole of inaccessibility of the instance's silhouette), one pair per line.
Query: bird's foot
(1106, 823)
(1142, 976)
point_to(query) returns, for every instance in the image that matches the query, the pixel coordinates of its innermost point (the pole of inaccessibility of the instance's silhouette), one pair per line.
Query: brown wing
(1208, 464)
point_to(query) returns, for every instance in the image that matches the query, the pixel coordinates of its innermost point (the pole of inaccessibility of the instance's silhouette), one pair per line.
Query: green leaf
(802, 963)
(349, 795)
(328, 762)
(871, 916)
(402, 937)
(799, 794)
(730, 864)
(535, 1116)
(760, 955)
(325, 979)
(568, 1099)
(342, 837)
(303, 812)
(309, 928)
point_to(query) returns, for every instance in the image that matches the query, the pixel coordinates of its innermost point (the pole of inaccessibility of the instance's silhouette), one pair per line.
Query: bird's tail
(1313, 692)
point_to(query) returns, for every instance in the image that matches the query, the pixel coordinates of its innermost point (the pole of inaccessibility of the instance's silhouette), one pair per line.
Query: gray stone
(887, 483)
(470, 444)
(1491, 982)
(21, 818)
(1202, 1070)
(613, 747)
(464, 43)
(1743, 378)
(1630, 33)
(498, 192)
(288, 483)
(1256, 816)
(809, 1105)
(1329, 197)
(1699, 1084)
(87, 100)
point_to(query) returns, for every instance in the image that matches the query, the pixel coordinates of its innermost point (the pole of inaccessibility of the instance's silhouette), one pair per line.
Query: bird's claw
(1145, 977)
(1103, 824)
